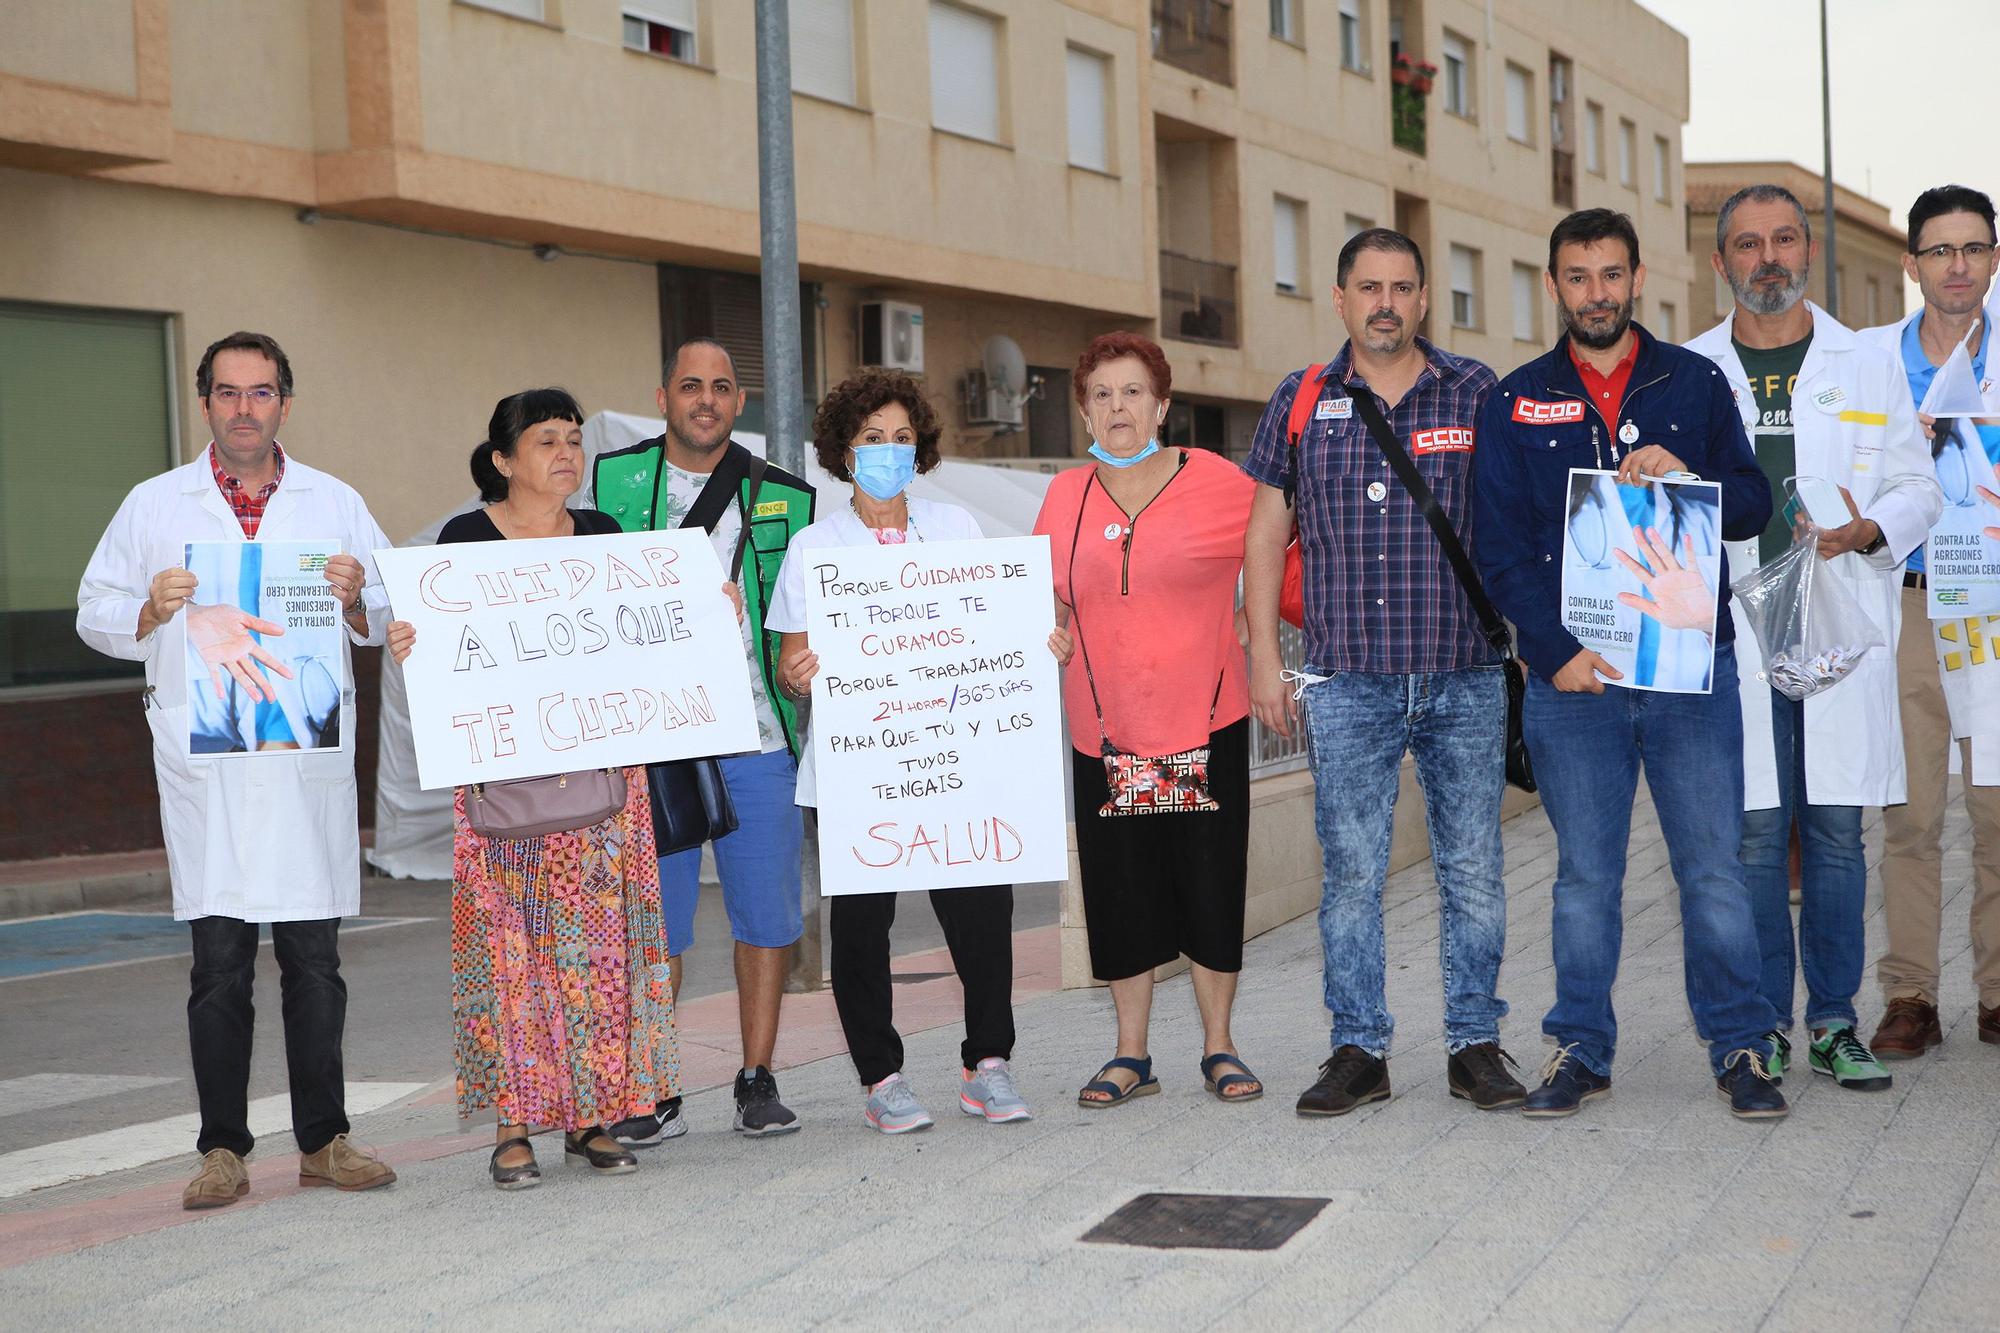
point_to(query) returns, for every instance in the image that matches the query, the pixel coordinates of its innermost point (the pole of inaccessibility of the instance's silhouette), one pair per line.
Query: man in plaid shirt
(1395, 662)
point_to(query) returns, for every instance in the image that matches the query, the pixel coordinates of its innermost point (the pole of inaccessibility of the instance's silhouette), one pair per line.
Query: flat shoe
(612, 1161)
(523, 1175)
(1220, 1084)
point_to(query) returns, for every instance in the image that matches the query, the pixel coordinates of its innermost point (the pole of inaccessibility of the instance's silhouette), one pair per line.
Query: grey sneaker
(989, 1091)
(893, 1107)
(758, 1110)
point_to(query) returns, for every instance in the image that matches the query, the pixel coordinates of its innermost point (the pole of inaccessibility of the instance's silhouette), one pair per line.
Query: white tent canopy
(413, 826)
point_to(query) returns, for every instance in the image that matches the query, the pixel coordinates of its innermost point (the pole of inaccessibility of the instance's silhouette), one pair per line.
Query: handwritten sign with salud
(937, 724)
(564, 653)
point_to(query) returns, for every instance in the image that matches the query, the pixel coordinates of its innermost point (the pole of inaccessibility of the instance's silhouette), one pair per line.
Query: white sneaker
(893, 1107)
(989, 1091)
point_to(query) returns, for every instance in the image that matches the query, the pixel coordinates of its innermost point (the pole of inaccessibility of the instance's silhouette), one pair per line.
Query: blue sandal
(1220, 1084)
(1115, 1095)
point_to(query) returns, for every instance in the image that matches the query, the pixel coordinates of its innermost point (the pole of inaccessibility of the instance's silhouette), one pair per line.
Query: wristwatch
(1881, 540)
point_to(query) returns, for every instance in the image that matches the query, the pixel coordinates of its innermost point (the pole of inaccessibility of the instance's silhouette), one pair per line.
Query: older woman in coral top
(1147, 545)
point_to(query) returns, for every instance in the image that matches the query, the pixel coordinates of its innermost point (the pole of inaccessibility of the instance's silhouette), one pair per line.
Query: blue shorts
(758, 863)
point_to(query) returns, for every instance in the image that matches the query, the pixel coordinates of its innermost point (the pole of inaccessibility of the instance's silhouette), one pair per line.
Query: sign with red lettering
(564, 653)
(937, 746)
(1548, 414)
(1443, 440)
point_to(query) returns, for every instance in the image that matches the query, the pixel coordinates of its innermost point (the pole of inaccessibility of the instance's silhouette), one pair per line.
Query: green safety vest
(627, 485)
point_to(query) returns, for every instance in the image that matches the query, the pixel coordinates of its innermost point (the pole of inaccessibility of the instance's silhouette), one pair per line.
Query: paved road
(1653, 1209)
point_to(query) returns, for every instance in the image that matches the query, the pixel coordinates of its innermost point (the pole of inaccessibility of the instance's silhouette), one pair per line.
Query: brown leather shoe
(1989, 1025)
(222, 1180)
(1909, 1028)
(344, 1166)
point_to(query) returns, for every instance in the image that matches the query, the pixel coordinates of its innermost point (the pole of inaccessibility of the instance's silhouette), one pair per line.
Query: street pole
(1826, 129)
(784, 377)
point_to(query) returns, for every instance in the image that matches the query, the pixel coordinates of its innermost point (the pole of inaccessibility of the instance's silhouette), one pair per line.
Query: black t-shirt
(477, 526)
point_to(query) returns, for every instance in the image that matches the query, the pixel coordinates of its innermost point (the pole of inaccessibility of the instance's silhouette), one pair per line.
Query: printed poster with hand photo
(1640, 569)
(1962, 552)
(264, 660)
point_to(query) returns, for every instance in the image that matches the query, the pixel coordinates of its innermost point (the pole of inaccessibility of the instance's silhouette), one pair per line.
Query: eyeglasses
(260, 397)
(1974, 251)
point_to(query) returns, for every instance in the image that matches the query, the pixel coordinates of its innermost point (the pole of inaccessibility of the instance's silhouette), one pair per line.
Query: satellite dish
(1006, 368)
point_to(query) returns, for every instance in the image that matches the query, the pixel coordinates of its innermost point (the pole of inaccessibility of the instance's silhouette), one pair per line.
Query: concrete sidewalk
(1651, 1209)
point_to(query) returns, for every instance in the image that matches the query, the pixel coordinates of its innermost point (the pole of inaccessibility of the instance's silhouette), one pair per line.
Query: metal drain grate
(1206, 1222)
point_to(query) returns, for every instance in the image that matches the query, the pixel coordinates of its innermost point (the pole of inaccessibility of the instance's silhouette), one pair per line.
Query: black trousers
(221, 1016)
(978, 929)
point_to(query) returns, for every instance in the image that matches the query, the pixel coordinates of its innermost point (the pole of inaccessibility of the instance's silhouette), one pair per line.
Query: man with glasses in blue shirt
(1952, 260)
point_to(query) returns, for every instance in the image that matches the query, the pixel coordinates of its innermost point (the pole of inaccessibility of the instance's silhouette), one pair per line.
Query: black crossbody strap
(721, 488)
(1492, 625)
(757, 469)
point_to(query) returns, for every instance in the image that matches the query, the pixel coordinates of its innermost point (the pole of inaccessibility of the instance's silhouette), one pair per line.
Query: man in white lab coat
(1819, 402)
(258, 838)
(1945, 701)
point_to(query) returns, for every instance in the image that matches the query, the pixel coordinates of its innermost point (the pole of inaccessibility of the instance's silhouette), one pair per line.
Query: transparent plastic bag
(1812, 630)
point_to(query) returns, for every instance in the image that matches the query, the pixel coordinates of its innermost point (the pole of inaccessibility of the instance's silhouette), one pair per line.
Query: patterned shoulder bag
(1140, 784)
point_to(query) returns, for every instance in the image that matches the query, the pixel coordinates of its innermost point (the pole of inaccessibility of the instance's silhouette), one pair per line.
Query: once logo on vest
(1547, 414)
(771, 508)
(1444, 440)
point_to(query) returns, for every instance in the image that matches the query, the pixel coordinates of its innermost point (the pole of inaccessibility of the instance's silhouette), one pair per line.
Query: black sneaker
(643, 1131)
(758, 1110)
(1350, 1077)
(1748, 1087)
(1478, 1074)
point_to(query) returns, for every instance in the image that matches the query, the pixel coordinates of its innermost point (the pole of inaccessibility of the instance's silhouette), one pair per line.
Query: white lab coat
(1853, 424)
(1970, 716)
(269, 838)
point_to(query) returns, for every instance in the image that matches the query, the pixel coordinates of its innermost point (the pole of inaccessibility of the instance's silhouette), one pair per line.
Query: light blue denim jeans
(1455, 723)
(1833, 887)
(1588, 750)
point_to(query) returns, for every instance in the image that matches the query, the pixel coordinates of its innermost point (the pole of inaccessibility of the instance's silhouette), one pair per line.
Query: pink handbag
(531, 807)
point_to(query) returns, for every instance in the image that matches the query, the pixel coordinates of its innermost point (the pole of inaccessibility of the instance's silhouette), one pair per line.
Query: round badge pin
(1628, 433)
(1113, 531)
(1377, 491)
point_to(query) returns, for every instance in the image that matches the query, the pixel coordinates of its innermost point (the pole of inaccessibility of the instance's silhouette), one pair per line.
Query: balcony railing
(1197, 299)
(1563, 179)
(1406, 119)
(1194, 35)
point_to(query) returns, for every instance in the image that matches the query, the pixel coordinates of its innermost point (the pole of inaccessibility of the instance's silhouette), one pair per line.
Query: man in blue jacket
(1610, 396)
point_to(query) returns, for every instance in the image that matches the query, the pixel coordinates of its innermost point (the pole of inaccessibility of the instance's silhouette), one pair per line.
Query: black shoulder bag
(1492, 625)
(690, 800)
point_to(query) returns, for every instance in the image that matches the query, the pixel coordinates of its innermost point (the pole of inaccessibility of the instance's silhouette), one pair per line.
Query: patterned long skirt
(560, 997)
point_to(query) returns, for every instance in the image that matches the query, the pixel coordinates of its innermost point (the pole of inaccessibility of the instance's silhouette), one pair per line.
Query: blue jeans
(1587, 751)
(758, 862)
(1834, 886)
(1360, 725)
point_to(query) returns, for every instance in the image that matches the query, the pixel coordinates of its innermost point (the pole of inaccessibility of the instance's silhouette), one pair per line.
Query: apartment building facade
(433, 203)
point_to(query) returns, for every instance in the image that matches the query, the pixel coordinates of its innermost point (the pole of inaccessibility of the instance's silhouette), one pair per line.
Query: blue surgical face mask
(1103, 455)
(885, 471)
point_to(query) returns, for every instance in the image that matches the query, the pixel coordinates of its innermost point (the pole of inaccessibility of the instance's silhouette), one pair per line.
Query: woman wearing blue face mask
(1147, 545)
(877, 430)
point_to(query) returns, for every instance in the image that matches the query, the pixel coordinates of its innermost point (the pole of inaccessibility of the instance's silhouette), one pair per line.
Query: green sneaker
(1841, 1056)
(1781, 1054)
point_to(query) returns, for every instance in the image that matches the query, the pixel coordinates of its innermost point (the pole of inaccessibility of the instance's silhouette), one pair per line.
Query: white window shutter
(965, 72)
(1285, 242)
(823, 49)
(1088, 106)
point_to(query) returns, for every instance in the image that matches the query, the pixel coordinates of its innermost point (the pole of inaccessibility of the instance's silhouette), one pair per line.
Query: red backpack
(1292, 592)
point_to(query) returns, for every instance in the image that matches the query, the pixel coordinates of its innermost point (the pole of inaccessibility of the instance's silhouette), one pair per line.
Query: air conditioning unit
(987, 403)
(892, 335)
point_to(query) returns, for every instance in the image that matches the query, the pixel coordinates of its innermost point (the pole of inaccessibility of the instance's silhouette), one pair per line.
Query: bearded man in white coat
(270, 838)
(1817, 401)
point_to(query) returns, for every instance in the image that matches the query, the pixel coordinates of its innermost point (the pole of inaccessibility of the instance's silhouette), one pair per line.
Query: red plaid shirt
(249, 509)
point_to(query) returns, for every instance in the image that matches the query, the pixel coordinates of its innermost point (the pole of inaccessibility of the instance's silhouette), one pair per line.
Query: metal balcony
(1197, 300)
(1194, 35)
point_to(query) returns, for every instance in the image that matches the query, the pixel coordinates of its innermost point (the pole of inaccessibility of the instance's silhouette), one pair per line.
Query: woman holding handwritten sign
(559, 990)
(1147, 546)
(877, 430)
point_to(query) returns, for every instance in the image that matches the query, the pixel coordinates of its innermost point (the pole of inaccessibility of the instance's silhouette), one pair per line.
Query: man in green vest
(696, 476)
